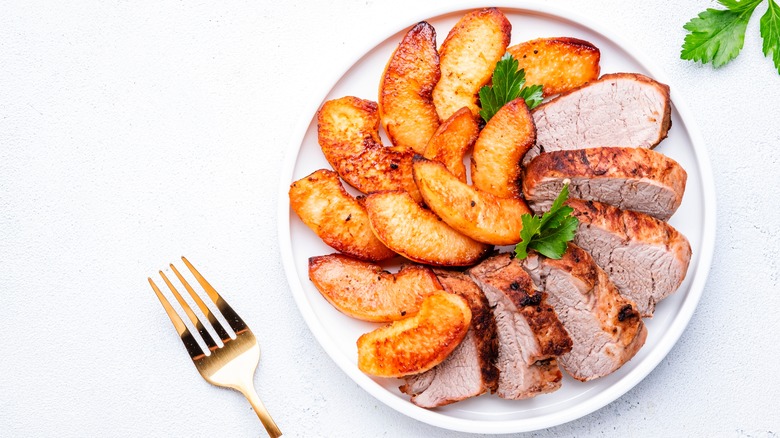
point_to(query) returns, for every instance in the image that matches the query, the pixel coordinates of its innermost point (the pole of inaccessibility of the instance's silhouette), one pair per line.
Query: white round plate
(337, 333)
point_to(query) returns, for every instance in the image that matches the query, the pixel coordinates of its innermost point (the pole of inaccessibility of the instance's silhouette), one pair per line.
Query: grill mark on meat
(532, 300)
(584, 159)
(626, 312)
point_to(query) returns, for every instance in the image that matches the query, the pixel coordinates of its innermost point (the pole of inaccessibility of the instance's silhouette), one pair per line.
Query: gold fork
(233, 364)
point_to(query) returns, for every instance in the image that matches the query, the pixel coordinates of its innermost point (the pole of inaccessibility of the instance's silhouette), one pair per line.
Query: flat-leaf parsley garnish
(549, 234)
(717, 35)
(508, 84)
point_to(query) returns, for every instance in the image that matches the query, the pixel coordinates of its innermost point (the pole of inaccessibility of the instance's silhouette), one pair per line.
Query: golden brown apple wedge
(344, 126)
(501, 145)
(417, 233)
(558, 64)
(418, 343)
(477, 214)
(367, 292)
(406, 108)
(380, 168)
(335, 216)
(453, 141)
(348, 132)
(467, 58)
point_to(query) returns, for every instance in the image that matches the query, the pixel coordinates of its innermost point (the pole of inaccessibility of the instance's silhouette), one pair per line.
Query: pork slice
(620, 109)
(629, 178)
(646, 258)
(530, 336)
(606, 328)
(469, 370)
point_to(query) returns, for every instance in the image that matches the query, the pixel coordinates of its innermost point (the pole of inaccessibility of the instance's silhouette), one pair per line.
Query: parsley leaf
(532, 95)
(549, 234)
(531, 227)
(740, 5)
(508, 85)
(716, 35)
(770, 32)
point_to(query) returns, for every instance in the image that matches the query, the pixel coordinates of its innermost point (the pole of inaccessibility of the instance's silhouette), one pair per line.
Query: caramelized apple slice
(419, 343)
(406, 107)
(335, 216)
(558, 64)
(417, 233)
(453, 140)
(344, 126)
(477, 214)
(495, 162)
(467, 58)
(365, 291)
(380, 168)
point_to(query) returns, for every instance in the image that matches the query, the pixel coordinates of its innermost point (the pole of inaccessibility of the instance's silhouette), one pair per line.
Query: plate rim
(667, 341)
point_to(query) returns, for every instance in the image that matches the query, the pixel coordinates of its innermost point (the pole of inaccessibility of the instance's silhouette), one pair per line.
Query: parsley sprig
(717, 35)
(508, 84)
(549, 234)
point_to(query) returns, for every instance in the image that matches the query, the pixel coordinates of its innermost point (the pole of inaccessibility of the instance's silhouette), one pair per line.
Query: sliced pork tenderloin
(606, 328)
(646, 258)
(469, 370)
(628, 178)
(620, 109)
(530, 335)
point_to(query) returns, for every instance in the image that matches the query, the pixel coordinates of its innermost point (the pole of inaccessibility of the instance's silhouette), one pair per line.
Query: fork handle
(262, 413)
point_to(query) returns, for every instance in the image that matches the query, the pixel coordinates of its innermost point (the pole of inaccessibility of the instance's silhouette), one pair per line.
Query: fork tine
(236, 323)
(189, 341)
(195, 321)
(223, 334)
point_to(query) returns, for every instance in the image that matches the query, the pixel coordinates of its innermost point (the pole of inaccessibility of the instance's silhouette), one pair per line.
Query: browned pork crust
(628, 178)
(646, 258)
(605, 326)
(530, 335)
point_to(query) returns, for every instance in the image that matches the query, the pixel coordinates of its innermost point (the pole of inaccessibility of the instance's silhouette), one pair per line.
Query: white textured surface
(134, 132)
